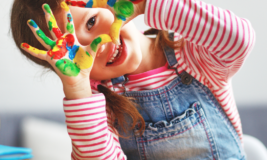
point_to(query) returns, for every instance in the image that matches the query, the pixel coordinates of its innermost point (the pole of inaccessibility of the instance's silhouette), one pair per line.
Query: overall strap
(171, 59)
(169, 52)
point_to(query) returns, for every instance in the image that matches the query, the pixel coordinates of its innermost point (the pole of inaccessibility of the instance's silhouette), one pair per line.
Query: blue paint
(89, 4)
(121, 17)
(69, 17)
(68, 47)
(32, 23)
(111, 2)
(73, 52)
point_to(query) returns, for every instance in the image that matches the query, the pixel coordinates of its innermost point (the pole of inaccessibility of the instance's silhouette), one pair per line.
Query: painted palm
(65, 52)
(122, 9)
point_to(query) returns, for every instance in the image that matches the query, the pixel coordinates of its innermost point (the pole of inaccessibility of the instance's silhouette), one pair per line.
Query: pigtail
(121, 109)
(162, 39)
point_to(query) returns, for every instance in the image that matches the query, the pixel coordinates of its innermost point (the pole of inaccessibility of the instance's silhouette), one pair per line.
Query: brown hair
(118, 106)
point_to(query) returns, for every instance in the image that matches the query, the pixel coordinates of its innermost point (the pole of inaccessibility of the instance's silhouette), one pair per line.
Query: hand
(123, 10)
(71, 61)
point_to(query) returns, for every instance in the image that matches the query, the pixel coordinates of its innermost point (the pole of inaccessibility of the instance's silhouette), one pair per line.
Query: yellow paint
(82, 60)
(53, 20)
(64, 6)
(115, 30)
(105, 38)
(59, 42)
(99, 3)
(55, 49)
(34, 50)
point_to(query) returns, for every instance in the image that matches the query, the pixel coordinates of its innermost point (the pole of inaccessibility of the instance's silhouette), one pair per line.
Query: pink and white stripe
(217, 43)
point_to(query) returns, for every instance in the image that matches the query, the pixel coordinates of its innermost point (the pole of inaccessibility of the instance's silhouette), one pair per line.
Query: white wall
(25, 87)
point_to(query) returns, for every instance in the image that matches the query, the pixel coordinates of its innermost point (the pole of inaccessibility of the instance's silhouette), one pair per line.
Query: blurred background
(27, 90)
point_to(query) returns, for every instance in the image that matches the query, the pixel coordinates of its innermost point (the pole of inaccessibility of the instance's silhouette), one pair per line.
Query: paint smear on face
(67, 67)
(32, 49)
(83, 59)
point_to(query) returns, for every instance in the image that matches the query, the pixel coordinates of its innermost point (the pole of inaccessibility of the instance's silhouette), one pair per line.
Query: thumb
(102, 39)
(84, 57)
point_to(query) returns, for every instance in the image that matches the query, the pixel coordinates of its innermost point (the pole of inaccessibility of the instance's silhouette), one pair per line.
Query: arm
(86, 117)
(216, 39)
(89, 130)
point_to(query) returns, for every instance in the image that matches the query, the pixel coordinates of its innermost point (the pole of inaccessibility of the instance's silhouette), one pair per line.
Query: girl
(180, 102)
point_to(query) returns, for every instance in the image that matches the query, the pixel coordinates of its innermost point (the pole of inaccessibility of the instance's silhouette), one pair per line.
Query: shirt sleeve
(89, 129)
(216, 40)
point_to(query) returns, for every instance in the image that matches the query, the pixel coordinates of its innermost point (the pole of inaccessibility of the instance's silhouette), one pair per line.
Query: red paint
(62, 50)
(57, 32)
(70, 40)
(76, 3)
(25, 45)
(136, 1)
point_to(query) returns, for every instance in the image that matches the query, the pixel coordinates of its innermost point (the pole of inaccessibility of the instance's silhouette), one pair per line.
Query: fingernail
(24, 45)
(47, 8)
(32, 23)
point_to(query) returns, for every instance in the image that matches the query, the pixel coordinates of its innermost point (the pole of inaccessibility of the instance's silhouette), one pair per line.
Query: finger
(88, 3)
(51, 22)
(83, 59)
(115, 30)
(39, 34)
(41, 54)
(102, 39)
(68, 21)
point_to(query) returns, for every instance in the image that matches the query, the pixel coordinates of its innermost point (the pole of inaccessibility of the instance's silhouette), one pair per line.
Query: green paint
(32, 23)
(67, 67)
(47, 40)
(95, 43)
(47, 9)
(70, 28)
(50, 25)
(52, 57)
(124, 8)
(88, 54)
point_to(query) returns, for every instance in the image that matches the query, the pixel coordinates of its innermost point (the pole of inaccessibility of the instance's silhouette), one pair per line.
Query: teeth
(116, 52)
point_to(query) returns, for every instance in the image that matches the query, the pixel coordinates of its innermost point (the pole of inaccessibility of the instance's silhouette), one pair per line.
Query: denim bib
(183, 121)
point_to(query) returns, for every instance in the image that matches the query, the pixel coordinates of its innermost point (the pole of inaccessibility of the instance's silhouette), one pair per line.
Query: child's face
(89, 24)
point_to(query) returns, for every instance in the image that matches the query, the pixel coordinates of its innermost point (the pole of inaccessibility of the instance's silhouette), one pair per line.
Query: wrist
(77, 91)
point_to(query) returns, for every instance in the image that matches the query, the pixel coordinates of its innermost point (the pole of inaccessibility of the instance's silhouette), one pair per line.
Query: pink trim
(93, 96)
(148, 73)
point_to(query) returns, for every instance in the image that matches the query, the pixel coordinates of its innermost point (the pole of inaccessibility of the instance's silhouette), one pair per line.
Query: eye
(90, 23)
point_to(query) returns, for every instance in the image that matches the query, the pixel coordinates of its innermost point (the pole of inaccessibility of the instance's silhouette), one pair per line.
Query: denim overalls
(183, 121)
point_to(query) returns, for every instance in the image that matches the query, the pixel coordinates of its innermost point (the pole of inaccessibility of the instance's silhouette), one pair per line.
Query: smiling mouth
(116, 54)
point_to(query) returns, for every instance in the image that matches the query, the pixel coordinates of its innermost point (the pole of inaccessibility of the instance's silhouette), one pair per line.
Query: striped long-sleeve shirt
(216, 45)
